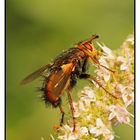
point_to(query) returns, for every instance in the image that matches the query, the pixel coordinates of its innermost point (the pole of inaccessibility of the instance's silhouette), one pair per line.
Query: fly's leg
(72, 109)
(63, 113)
(91, 78)
(98, 63)
(57, 127)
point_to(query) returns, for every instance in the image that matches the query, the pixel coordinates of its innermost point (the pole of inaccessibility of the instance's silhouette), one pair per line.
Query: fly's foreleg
(91, 78)
(98, 63)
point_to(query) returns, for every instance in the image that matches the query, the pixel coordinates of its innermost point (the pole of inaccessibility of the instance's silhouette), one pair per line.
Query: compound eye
(88, 46)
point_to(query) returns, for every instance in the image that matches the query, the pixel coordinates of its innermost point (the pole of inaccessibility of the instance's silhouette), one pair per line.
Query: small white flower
(83, 131)
(87, 97)
(89, 92)
(92, 129)
(100, 128)
(128, 98)
(81, 106)
(120, 59)
(120, 113)
(106, 50)
(120, 88)
(124, 67)
(125, 62)
(102, 72)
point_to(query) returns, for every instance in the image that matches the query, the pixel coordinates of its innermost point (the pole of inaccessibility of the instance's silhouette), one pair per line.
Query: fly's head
(88, 47)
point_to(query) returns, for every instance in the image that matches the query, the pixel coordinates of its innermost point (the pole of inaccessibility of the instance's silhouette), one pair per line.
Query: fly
(64, 71)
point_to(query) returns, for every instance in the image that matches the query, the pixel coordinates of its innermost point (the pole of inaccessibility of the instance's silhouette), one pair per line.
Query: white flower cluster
(96, 111)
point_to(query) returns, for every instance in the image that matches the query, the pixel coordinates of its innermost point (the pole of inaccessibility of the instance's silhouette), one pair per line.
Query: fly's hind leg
(72, 84)
(63, 113)
(72, 109)
(91, 78)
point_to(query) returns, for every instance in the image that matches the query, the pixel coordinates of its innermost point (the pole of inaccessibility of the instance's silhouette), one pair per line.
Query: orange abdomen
(50, 91)
(57, 82)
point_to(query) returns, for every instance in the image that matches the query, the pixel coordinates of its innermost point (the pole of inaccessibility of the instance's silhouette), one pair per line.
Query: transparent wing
(35, 74)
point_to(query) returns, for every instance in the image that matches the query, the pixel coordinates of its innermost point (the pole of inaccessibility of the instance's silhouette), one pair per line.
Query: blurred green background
(36, 31)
